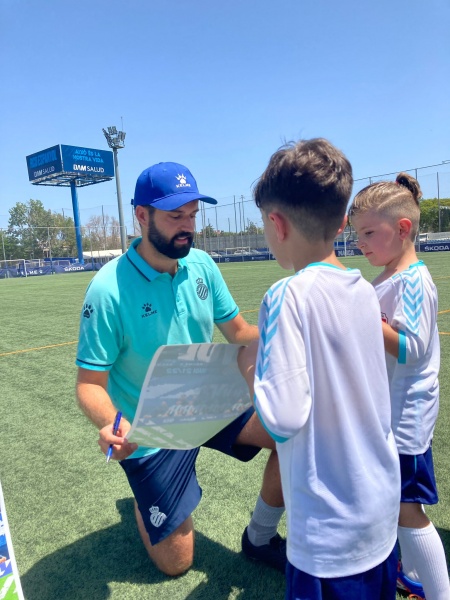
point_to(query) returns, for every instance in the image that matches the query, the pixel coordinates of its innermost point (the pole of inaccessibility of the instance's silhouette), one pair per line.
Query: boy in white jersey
(321, 389)
(386, 218)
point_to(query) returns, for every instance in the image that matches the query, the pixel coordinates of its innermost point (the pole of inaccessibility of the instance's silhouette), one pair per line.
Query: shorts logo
(87, 311)
(147, 308)
(384, 318)
(202, 290)
(157, 518)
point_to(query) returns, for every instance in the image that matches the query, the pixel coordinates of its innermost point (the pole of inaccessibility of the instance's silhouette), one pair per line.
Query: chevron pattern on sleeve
(412, 298)
(273, 303)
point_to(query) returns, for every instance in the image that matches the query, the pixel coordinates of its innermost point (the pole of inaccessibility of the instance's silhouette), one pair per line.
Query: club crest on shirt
(202, 290)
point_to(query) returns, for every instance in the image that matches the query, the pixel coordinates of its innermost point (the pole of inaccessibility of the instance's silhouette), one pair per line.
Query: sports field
(71, 515)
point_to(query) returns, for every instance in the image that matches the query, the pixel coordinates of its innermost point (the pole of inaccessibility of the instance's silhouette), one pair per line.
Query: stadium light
(116, 140)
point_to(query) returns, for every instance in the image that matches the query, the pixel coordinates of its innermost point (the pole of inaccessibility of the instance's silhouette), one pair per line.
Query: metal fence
(235, 222)
(235, 213)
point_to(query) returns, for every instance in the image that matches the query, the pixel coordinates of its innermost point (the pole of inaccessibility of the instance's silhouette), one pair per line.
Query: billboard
(87, 161)
(44, 163)
(60, 164)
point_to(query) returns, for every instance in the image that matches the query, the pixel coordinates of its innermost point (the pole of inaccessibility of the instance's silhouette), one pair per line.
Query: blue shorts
(418, 481)
(378, 583)
(165, 483)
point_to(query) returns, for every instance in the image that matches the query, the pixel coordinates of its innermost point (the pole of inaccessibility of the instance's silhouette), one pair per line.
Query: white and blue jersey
(130, 310)
(321, 391)
(409, 304)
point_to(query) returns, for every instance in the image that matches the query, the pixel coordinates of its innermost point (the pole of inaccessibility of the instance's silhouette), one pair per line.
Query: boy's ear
(280, 224)
(404, 226)
(343, 225)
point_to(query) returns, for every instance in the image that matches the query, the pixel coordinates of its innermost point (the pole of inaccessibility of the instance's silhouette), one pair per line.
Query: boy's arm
(278, 374)
(246, 361)
(413, 323)
(390, 336)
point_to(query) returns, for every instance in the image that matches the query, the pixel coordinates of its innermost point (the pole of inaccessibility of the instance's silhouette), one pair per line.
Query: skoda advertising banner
(64, 160)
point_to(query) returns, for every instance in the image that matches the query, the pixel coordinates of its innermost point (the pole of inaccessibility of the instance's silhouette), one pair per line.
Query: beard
(167, 246)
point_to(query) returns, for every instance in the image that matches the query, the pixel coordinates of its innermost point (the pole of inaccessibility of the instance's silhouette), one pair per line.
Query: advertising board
(60, 164)
(44, 163)
(87, 161)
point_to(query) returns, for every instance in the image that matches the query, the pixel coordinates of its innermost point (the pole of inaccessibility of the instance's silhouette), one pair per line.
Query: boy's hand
(391, 340)
(246, 360)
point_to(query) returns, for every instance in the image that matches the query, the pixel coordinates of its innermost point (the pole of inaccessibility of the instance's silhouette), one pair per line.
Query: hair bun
(411, 184)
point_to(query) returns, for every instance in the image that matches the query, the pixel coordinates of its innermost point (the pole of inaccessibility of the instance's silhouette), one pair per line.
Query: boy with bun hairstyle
(320, 386)
(386, 217)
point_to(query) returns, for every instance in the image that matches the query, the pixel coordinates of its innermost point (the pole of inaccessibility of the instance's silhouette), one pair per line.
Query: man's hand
(122, 448)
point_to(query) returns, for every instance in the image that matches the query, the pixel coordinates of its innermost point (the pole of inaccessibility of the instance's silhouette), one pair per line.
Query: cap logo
(182, 180)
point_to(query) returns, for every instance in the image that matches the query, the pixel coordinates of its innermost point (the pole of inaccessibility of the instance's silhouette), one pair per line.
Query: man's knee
(172, 565)
(174, 555)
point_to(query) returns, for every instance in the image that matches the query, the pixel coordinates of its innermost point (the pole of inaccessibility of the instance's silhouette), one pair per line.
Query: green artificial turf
(71, 515)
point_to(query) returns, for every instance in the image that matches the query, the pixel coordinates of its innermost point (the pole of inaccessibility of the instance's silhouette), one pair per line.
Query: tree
(208, 231)
(101, 233)
(429, 218)
(62, 236)
(7, 246)
(22, 227)
(251, 228)
(429, 215)
(34, 232)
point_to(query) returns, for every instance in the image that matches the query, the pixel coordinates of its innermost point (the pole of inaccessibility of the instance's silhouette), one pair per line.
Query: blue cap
(167, 186)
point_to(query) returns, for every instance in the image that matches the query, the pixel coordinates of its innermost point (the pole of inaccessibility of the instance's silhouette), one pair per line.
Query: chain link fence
(233, 226)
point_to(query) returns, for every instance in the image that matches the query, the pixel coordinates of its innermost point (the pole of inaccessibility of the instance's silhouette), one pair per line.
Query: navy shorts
(418, 480)
(378, 583)
(165, 483)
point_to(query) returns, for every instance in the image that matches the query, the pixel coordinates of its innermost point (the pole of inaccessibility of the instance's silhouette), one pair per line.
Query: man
(136, 303)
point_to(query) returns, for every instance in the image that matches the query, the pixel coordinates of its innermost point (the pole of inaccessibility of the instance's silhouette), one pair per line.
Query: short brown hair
(311, 181)
(396, 199)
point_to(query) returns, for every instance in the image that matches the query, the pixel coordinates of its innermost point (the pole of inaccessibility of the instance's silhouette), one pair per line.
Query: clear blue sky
(219, 86)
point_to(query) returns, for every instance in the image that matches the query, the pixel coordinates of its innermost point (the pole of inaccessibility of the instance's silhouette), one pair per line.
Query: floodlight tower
(116, 140)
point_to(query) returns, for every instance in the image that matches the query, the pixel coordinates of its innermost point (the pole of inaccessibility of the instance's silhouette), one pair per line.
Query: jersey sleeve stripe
(229, 316)
(402, 348)
(92, 366)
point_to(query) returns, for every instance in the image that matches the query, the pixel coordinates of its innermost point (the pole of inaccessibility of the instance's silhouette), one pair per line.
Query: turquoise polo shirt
(130, 310)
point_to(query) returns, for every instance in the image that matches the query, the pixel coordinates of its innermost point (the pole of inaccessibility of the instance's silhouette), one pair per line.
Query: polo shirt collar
(143, 267)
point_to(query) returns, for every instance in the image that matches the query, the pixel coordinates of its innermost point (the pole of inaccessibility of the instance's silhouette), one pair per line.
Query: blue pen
(115, 430)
